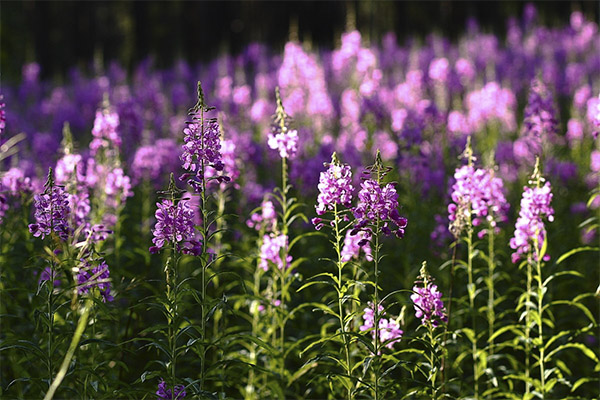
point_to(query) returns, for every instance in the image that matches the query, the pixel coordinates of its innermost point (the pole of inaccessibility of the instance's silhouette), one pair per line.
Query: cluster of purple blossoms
(335, 187)
(535, 204)
(48, 274)
(175, 224)
(389, 329)
(105, 131)
(230, 167)
(151, 162)
(428, 304)
(98, 276)
(539, 124)
(285, 141)
(479, 194)
(267, 219)
(271, 251)
(2, 115)
(378, 203)
(201, 149)
(51, 213)
(352, 248)
(539, 115)
(164, 393)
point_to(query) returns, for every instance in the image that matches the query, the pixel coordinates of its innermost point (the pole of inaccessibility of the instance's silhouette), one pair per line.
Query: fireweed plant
(245, 298)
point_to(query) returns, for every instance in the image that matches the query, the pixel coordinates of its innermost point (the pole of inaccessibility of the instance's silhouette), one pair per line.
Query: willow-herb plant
(285, 141)
(201, 151)
(430, 309)
(335, 197)
(461, 222)
(377, 214)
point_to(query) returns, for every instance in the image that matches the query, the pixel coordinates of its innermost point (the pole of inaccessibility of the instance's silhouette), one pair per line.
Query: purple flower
(151, 162)
(267, 219)
(96, 277)
(230, 167)
(167, 394)
(479, 194)
(378, 203)
(174, 224)
(201, 149)
(271, 251)
(389, 330)
(51, 212)
(352, 247)
(285, 141)
(2, 115)
(48, 274)
(335, 186)
(428, 304)
(535, 204)
(540, 115)
(105, 131)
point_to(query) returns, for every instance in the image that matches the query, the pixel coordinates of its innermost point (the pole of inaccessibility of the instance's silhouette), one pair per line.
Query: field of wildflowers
(389, 220)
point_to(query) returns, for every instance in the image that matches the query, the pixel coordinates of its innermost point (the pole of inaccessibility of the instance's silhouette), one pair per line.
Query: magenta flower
(51, 212)
(352, 247)
(285, 141)
(389, 330)
(428, 304)
(477, 193)
(335, 186)
(164, 393)
(105, 131)
(174, 224)
(271, 251)
(535, 205)
(94, 277)
(378, 203)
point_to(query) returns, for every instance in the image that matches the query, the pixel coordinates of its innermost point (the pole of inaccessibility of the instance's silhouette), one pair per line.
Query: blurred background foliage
(60, 35)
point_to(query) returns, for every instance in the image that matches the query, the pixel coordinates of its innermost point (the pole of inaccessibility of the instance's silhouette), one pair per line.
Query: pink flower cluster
(389, 329)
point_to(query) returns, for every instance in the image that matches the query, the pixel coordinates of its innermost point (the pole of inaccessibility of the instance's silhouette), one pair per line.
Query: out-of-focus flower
(535, 205)
(352, 248)
(164, 393)
(389, 329)
(94, 277)
(271, 251)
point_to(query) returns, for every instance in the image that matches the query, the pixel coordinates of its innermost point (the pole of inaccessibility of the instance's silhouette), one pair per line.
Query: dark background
(60, 35)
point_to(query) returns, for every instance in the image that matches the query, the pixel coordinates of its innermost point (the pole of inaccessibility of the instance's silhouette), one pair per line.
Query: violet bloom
(230, 165)
(378, 203)
(51, 212)
(201, 149)
(105, 131)
(271, 251)
(335, 186)
(48, 274)
(285, 141)
(428, 304)
(267, 219)
(2, 115)
(174, 224)
(478, 194)
(352, 248)
(535, 205)
(164, 393)
(540, 115)
(96, 277)
(389, 330)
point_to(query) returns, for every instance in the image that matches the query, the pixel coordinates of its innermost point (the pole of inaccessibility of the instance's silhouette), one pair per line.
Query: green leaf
(575, 251)
(580, 346)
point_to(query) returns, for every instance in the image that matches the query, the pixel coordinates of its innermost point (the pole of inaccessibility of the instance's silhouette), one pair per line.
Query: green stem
(71, 351)
(527, 330)
(340, 266)
(376, 309)
(283, 272)
(432, 369)
(540, 298)
(50, 285)
(490, 309)
(471, 291)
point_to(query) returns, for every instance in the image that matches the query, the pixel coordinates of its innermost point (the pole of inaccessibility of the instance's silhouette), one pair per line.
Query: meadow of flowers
(387, 220)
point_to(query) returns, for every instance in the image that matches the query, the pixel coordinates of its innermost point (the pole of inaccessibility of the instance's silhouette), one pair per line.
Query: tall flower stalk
(285, 141)
(201, 152)
(377, 213)
(335, 195)
(529, 242)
